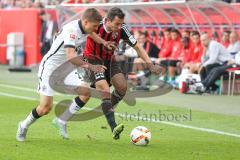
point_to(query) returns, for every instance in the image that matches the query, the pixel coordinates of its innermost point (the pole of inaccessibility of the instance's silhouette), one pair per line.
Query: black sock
(35, 114)
(116, 97)
(109, 113)
(79, 102)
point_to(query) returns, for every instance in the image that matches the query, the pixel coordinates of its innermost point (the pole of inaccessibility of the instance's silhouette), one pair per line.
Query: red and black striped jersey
(93, 49)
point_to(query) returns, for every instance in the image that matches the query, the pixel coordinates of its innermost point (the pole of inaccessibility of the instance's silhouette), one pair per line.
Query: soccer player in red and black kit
(111, 29)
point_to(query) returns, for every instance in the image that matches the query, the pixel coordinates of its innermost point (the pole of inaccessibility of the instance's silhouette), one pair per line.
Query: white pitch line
(208, 130)
(23, 88)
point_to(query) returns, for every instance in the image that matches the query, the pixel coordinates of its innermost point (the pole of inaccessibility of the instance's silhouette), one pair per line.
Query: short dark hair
(145, 33)
(226, 31)
(113, 12)
(187, 31)
(168, 30)
(174, 30)
(92, 15)
(195, 33)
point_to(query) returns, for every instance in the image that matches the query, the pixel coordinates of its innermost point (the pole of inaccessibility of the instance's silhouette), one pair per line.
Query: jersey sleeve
(70, 37)
(127, 36)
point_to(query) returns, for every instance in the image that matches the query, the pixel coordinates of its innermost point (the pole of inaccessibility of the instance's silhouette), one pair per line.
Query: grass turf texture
(90, 141)
(93, 140)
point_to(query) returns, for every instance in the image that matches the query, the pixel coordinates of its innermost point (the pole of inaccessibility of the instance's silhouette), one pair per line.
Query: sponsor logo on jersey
(114, 35)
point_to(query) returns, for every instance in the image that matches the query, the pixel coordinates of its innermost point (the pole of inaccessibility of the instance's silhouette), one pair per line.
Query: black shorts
(113, 68)
(173, 63)
(164, 63)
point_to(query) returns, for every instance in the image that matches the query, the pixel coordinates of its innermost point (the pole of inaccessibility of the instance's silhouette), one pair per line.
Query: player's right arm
(70, 37)
(108, 44)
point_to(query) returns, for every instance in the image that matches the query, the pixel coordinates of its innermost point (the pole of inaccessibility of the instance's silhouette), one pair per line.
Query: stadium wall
(26, 21)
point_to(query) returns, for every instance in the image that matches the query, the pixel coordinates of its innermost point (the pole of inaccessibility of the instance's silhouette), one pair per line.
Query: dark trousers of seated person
(204, 72)
(215, 73)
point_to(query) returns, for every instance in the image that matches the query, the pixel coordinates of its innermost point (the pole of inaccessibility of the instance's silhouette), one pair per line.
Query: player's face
(233, 37)
(195, 39)
(205, 40)
(167, 35)
(115, 24)
(185, 34)
(91, 26)
(225, 37)
(174, 35)
(142, 39)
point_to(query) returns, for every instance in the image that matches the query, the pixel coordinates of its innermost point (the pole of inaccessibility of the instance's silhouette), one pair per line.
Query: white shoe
(161, 78)
(62, 128)
(21, 133)
(198, 87)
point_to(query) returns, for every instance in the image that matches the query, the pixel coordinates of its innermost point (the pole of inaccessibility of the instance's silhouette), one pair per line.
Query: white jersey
(71, 35)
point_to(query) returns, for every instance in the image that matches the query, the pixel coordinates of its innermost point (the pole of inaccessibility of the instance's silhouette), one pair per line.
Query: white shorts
(44, 86)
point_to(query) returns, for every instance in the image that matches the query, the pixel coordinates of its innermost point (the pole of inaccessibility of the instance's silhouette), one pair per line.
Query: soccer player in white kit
(72, 35)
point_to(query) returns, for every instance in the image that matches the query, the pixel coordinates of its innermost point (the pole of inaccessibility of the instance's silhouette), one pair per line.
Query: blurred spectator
(234, 45)
(151, 49)
(215, 36)
(1, 5)
(165, 53)
(186, 38)
(28, 4)
(186, 33)
(196, 52)
(148, 45)
(160, 39)
(49, 29)
(9, 4)
(225, 38)
(215, 55)
(174, 58)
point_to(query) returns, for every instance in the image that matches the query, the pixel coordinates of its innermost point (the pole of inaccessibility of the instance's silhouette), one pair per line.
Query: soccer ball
(140, 136)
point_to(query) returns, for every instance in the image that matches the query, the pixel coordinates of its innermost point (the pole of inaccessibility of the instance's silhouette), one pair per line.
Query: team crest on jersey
(114, 35)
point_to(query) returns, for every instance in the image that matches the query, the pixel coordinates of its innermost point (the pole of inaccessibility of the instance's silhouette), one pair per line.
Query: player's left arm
(129, 38)
(99, 40)
(143, 54)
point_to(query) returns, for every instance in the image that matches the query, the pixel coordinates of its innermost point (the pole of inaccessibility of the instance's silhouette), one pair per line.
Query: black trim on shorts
(49, 57)
(173, 63)
(69, 46)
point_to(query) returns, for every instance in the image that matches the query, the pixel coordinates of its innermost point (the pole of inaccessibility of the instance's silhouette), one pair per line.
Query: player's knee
(104, 89)
(122, 89)
(107, 106)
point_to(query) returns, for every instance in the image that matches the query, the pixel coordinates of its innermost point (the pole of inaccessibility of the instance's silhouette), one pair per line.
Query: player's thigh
(103, 87)
(120, 83)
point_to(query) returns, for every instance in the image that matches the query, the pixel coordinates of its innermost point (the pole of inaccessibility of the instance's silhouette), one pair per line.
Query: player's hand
(111, 46)
(154, 68)
(97, 68)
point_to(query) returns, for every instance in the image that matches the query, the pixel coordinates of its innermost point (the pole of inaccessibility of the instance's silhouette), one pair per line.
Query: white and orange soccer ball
(140, 136)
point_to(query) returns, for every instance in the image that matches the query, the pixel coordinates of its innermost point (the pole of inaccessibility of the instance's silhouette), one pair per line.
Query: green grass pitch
(93, 140)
